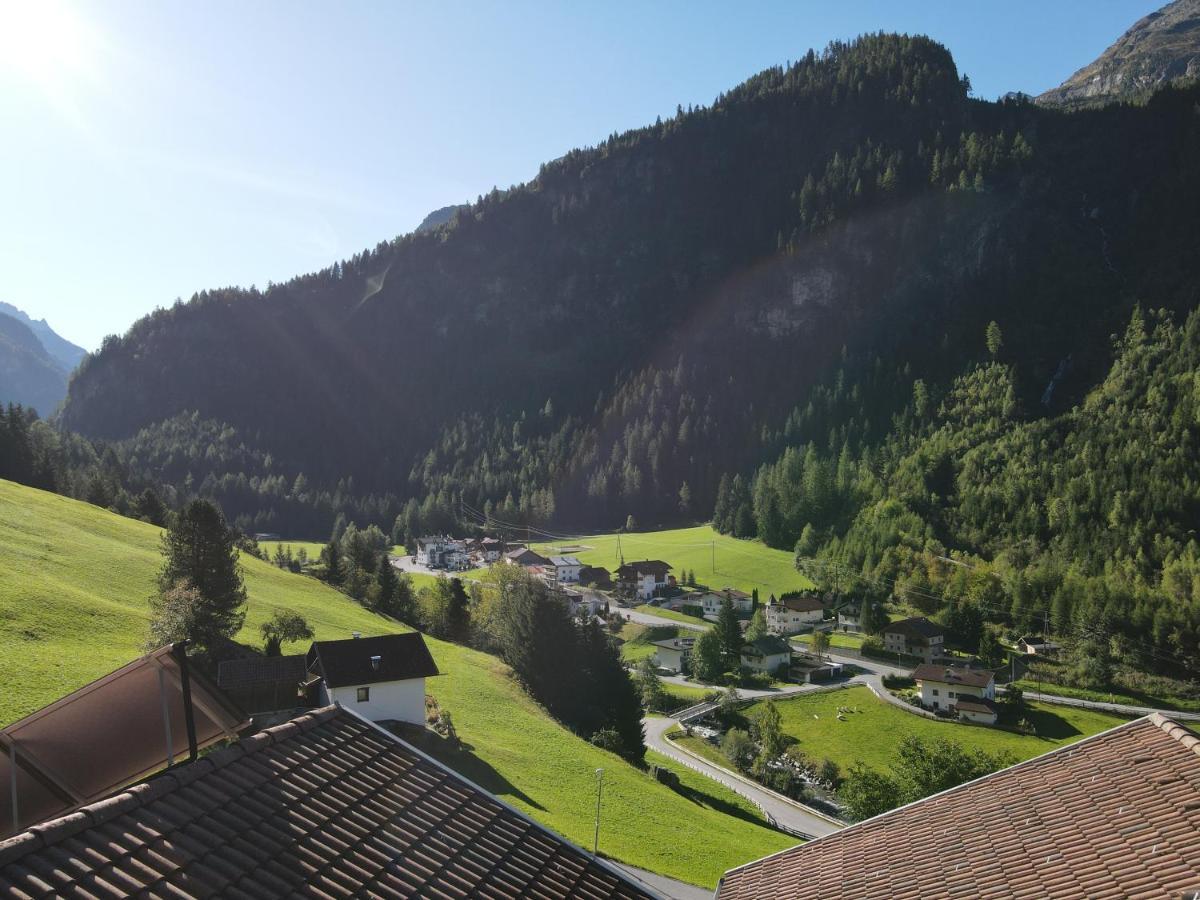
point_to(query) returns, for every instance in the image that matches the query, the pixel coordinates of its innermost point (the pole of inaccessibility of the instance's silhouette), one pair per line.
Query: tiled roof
(802, 604)
(655, 567)
(327, 805)
(767, 645)
(526, 557)
(561, 561)
(1112, 816)
(979, 678)
(919, 626)
(350, 662)
(974, 704)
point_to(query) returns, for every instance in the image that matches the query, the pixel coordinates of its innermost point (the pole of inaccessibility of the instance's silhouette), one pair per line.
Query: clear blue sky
(153, 148)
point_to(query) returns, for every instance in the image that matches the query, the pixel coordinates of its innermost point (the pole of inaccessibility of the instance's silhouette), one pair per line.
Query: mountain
(63, 351)
(649, 315)
(1160, 48)
(29, 375)
(439, 217)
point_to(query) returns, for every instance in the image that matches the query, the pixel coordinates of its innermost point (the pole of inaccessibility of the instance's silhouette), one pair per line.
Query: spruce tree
(200, 555)
(729, 630)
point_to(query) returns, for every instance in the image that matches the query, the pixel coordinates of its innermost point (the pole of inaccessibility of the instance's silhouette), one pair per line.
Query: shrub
(738, 748)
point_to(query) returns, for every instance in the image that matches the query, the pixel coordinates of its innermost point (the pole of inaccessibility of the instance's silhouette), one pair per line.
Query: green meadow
(74, 587)
(717, 559)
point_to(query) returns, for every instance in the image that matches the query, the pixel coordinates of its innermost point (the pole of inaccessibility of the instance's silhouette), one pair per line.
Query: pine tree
(200, 555)
(730, 631)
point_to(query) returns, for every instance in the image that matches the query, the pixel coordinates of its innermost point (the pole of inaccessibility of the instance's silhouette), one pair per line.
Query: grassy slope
(873, 734)
(73, 586)
(744, 565)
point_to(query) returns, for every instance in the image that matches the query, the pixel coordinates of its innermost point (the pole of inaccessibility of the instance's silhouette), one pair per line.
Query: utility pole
(714, 557)
(599, 789)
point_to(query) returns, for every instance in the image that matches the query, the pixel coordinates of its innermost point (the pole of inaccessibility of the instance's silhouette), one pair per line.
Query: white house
(766, 654)
(566, 569)
(381, 678)
(849, 618)
(490, 549)
(793, 614)
(644, 578)
(441, 552)
(523, 556)
(713, 600)
(672, 654)
(968, 693)
(914, 637)
(1035, 645)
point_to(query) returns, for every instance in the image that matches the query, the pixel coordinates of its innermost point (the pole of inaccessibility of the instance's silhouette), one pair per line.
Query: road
(788, 815)
(667, 887)
(642, 618)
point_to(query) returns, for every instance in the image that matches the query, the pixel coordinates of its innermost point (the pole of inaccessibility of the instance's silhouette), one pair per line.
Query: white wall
(766, 663)
(943, 698)
(403, 701)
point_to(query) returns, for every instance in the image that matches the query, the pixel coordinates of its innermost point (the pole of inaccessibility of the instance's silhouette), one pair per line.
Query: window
(364, 694)
(935, 692)
(950, 694)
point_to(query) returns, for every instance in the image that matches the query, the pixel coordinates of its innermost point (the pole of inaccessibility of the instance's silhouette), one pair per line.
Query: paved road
(1110, 707)
(788, 815)
(668, 887)
(747, 693)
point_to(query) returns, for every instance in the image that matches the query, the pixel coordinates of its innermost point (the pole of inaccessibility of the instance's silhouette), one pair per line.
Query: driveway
(790, 816)
(410, 564)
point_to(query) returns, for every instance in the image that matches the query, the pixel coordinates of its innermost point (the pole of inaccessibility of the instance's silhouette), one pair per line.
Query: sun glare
(43, 41)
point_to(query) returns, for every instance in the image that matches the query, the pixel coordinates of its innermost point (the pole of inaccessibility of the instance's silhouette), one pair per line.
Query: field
(844, 640)
(74, 583)
(872, 734)
(718, 560)
(1127, 697)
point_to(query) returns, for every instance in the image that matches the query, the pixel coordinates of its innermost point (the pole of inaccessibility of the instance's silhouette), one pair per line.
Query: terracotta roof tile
(1106, 817)
(325, 805)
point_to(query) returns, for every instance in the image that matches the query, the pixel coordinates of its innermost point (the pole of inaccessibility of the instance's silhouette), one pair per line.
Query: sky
(150, 149)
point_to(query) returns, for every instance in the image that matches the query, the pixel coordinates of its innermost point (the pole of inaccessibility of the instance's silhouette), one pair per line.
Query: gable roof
(595, 575)
(348, 662)
(975, 704)
(560, 561)
(326, 805)
(233, 674)
(655, 567)
(767, 645)
(802, 604)
(526, 557)
(918, 626)
(1112, 815)
(979, 678)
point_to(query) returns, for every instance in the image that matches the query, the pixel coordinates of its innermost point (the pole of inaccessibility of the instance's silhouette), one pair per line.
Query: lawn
(639, 640)
(674, 616)
(717, 559)
(844, 640)
(74, 583)
(872, 734)
(312, 548)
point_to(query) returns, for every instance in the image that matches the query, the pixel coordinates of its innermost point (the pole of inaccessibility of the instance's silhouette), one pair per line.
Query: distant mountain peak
(62, 351)
(1161, 47)
(440, 217)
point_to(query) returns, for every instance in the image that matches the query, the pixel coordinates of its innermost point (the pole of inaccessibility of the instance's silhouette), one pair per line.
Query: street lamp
(599, 789)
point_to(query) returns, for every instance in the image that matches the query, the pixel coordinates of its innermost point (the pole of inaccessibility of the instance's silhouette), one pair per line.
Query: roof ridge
(58, 829)
(1177, 731)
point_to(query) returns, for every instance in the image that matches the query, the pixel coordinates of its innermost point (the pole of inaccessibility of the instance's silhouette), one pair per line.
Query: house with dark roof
(672, 654)
(261, 684)
(523, 556)
(914, 637)
(969, 694)
(381, 678)
(566, 569)
(644, 578)
(596, 576)
(766, 654)
(1112, 815)
(849, 618)
(1036, 645)
(326, 805)
(791, 615)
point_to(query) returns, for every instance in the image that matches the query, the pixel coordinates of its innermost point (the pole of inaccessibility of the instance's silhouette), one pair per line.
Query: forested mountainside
(1161, 47)
(643, 317)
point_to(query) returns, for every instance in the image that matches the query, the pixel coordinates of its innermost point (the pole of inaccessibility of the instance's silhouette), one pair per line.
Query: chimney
(356, 634)
(375, 661)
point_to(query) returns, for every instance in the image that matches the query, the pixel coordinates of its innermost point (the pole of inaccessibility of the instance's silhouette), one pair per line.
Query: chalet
(712, 601)
(566, 569)
(382, 678)
(645, 578)
(849, 618)
(325, 805)
(596, 576)
(969, 694)
(914, 637)
(766, 654)
(490, 549)
(523, 556)
(673, 653)
(1111, 815)
(792, 615)
(1036, 645)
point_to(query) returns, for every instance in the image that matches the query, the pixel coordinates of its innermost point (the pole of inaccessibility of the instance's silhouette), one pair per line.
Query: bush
(738, 748)
(608, 739)
(898, 683)
(692, 610)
